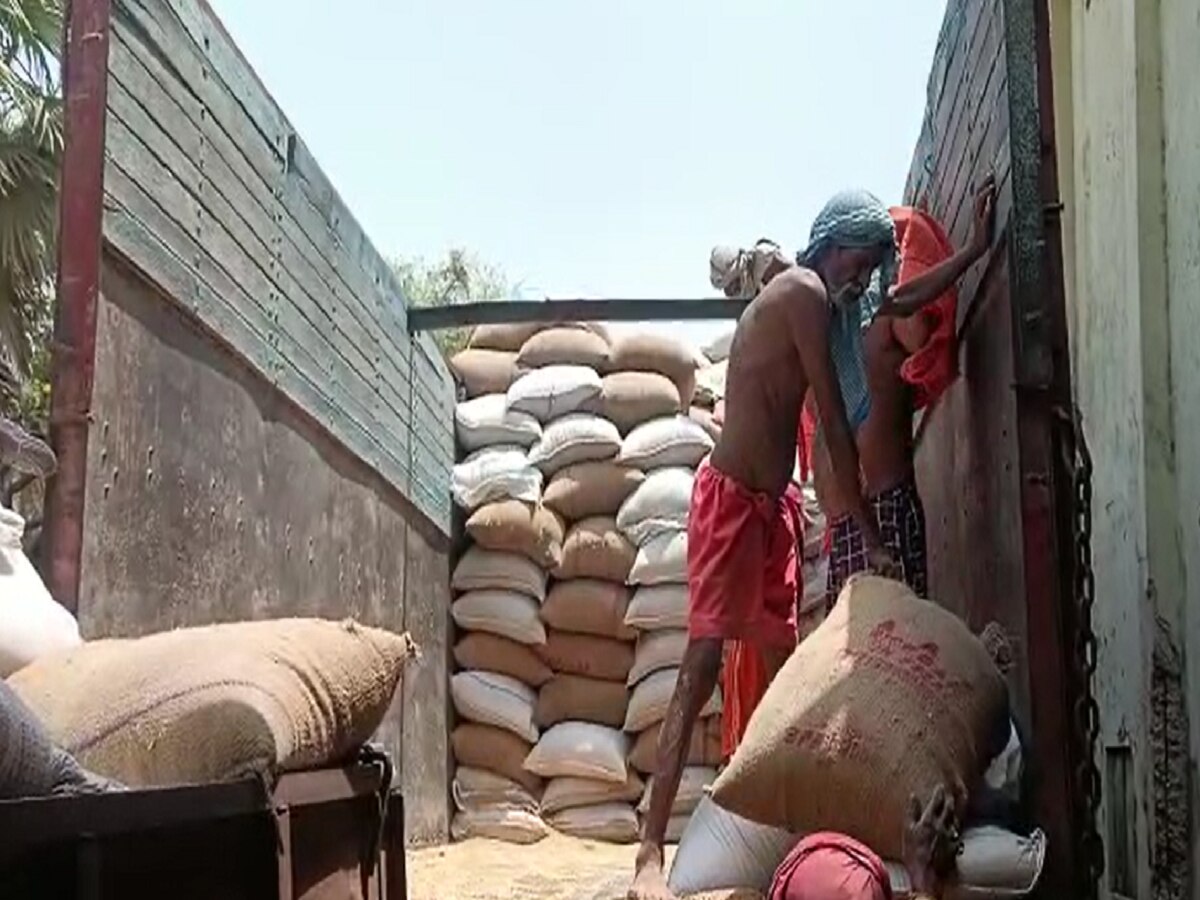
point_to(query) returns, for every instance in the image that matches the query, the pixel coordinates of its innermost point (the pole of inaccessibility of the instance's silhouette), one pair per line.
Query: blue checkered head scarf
(855, 220)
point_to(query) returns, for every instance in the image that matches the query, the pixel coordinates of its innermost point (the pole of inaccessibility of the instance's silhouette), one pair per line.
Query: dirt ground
(557, 868)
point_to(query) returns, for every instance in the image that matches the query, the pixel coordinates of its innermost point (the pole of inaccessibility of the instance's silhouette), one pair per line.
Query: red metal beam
(81, 204)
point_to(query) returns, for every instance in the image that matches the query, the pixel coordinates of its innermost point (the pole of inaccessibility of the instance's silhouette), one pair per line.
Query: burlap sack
(492, 653)
(614, 823)
(502, 472)
(508, 337)
(484, 371)
(487, 422)
(492, 699)
(568, 793)
(661, 560)
(512, 526)
(651, 698)
(220, 702)
(572, 698)
(669, 441)
(507, 614)
(494, 750)
(704, 749)
(481, 570)
(594, 548)
(659, 504)
(890, 697)
(510, 824)
(475, 789)
(658, 606)
(581, 750)
(555, 391)
(573, 439)
(630, 398)
(655, 353)
(589, 606)
(564, 347)
(591, 489)
(587, 655)
(657, 650)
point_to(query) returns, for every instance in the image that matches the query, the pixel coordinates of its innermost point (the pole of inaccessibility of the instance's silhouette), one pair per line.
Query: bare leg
(697, 678)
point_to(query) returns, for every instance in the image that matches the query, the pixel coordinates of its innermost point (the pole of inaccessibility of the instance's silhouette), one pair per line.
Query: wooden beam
(433, 318)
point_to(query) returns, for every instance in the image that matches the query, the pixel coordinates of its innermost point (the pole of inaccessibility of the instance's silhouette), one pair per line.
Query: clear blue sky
(596, 149)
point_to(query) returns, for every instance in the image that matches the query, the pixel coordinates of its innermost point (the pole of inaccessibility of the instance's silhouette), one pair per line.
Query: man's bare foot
(649, 880)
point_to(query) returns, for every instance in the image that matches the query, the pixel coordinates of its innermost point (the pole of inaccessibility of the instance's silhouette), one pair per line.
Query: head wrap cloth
(854, 220)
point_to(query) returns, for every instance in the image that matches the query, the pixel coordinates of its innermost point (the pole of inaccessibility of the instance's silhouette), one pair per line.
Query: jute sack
(510, 337)
(492, 653)
(660, 504)
(494, 750)
(484, 371)
(657, 650)
(555, 391)
(509, 614)
(580, 750)
(567, 698)
(658, 606)
(656, 353)
(510, 824)
(567, 793)
(630, 398)
(513, 526)
(650, 699)
(476, 789)
(661, 560)
(692, 785)
(594, 548)
(670, 441)
(486, 422)
(591, 489)
(481, 569)
(588, 655)
(564, 347)
(890, 697)
(573, 439)
(491, 699)
(219, 702)
(614, 823)
(495, 473)
(704, 749)
(588, 606)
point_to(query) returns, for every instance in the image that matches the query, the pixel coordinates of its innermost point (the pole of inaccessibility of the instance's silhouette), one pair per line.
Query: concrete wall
(1129, 154)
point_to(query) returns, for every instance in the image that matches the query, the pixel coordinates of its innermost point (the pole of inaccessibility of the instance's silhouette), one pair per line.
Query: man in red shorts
(740, 546)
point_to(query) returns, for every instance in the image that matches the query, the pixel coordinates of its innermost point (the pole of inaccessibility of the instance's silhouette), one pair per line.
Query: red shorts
(742, 572)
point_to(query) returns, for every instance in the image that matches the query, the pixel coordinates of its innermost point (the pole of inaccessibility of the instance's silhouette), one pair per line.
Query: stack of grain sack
(576, 482)
(815, 572)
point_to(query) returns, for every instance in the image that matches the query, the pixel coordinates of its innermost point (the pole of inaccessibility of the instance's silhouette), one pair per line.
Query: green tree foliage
(456, 278)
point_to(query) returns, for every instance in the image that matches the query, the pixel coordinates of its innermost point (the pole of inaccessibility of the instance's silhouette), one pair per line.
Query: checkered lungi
(901, 519)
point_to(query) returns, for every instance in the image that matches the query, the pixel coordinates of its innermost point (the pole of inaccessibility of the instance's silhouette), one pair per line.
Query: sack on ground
(476, 789)
(721, 851)
(483, 372)
(589, 606)
(487, 422)
(564, 347)
(692, 787)
(513, 526)
(650, 699)
(568, 793)
(498, 700)
(656, 651)
(631, 398)
(704, 749)
(494, 750)
(672, 441)
(32, 624)
(661, 560)
(591, 489)
(480, 569)
(595, 548)
(995, 864)
(508, 336)
(656, 353)
(659, 606)
(580, 750)
(614, 823)
(219, 702)
(492, 653)
(507, 614)
(659, 505)
(495, 473)
(890, 697)
(555, 391)
(510, 824)
(573, 439)
(606, 659)
(567, 698)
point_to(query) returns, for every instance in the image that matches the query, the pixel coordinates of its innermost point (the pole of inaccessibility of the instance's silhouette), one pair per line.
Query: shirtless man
(738, 540)
(885, 436)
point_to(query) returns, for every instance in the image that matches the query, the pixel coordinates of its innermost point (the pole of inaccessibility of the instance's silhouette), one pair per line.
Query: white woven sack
(481, 569)
(580, 750)
(661, 560)
(509, 614)
(555, 391)
(510, 824)
(657, 650)
(615, 823)
(575, 438)
(493, 699)
(495, 473)
(658, 606)
(693, 785)
(475, 789)
(487, 422)
(659, 505)
(669, 441)
(649, 701)
(566, 793)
